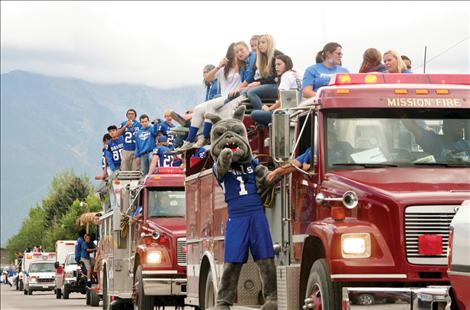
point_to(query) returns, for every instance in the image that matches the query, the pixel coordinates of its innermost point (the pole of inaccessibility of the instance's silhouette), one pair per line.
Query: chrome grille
(39, 280)
(422, 220)
(180, 255)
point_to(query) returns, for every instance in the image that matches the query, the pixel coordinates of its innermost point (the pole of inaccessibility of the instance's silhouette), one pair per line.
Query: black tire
(87, 297)
(30, 291)
(58, 293)
(25, 292)
(21, 285)
(209, 292)
(94, 299)
(320, 288)
(143, 302)
(66, 292)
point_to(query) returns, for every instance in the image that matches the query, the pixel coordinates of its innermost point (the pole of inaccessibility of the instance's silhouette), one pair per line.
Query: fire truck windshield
(42, 267)
(71, 260)
(395, 138)
(167, 203)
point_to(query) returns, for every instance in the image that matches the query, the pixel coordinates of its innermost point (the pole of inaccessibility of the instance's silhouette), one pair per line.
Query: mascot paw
(269, 305)
(226, 155)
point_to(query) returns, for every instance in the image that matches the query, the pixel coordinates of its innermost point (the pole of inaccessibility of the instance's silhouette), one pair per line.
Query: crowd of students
(243, 76)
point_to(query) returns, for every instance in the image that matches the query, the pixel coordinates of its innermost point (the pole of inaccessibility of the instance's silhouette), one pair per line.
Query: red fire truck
(143, 241)
(368, 222)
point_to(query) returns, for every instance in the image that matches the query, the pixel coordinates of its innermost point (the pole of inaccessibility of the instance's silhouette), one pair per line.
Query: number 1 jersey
(239, 186)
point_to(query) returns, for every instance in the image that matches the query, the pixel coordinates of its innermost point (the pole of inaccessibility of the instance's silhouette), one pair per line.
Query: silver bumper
(433, 297)
(164, 286)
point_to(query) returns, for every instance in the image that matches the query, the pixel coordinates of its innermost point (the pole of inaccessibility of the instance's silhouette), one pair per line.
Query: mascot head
(231, 134)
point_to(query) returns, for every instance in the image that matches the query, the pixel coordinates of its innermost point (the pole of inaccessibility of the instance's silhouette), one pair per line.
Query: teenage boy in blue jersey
(166, 126)
(160, 156)
(145, 142)
(104, 164)
(115, 146)
(129, 161)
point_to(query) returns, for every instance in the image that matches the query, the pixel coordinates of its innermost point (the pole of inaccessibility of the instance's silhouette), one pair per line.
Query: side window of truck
(308, 138)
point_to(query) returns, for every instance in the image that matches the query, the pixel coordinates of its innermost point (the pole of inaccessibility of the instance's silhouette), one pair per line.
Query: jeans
(262, 117)
(145, 163)
(265, 91)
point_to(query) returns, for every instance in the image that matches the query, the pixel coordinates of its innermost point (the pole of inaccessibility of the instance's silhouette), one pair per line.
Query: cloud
(166, 44)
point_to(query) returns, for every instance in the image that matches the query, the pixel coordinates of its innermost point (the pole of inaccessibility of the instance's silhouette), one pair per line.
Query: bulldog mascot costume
(242, 178)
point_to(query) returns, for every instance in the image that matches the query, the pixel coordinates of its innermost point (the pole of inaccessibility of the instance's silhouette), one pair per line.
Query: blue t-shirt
(319, 75)
(164, 127)
(138, 211)
(145, 140)
(78, 249)
(439, 146)
(129, 139)
(247, 74)
(239, 187)
(84, 253)
(212, 90)
(114, 153)
(305, 157)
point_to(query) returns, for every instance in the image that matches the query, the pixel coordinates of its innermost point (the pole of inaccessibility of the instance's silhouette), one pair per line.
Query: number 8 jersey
(239, 186)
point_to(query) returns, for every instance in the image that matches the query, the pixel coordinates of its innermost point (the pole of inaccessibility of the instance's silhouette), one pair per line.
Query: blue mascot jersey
(239, 185)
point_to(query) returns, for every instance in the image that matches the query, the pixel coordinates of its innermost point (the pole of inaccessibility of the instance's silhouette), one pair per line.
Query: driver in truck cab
(440, 146)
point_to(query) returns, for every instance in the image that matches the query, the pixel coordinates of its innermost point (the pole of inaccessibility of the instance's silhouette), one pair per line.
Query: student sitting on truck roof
(407, 61)
(394, 63)
(289, 79)
(372, 61)
(129, 161)
(160, 156)
(227, 73)
(166, 126)
(212, 87)
(246, 63)
(319, 74)
(265, 85)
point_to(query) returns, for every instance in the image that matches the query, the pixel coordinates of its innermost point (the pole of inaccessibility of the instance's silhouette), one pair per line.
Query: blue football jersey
(115, 148)
(164, 160)
(129, 138)
(103, 159)
(164, 128)
(239, 186)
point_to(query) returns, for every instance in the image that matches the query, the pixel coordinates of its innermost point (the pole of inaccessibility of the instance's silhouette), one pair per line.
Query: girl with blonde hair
(394, 63)
(372, 61)
(265, 82)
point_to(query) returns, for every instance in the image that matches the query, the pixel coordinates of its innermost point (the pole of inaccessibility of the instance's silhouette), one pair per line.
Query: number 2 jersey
(129, 138)
(239, 186)
(166, 160)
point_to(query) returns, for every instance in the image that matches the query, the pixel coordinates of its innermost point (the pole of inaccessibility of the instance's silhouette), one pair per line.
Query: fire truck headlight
(154, 257)
(355, 245)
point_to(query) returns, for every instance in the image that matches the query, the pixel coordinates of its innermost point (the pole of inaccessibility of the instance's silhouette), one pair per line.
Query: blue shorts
(248, 232)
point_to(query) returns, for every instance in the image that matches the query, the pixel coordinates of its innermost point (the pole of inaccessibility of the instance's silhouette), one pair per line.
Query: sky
(166, 44)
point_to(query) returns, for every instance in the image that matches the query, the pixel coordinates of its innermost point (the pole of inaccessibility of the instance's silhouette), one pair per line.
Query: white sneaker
(186, 146)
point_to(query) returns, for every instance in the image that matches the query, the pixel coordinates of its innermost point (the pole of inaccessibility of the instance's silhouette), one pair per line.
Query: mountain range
(49, 124)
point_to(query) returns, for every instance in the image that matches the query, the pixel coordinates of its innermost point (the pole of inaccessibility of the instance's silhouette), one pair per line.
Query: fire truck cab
(143, 236)
(366, 223)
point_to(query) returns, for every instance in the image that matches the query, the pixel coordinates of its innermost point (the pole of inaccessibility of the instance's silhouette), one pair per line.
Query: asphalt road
(12, 300)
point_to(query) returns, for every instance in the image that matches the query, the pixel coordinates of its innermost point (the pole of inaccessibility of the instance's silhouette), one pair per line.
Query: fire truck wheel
(66, 293)
(87, 298)
(209, 293)
(143, 302)
(321, 292)
(94, 299)
(58, 293)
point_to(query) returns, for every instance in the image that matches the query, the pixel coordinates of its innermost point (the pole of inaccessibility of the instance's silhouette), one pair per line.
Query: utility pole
(425, 50)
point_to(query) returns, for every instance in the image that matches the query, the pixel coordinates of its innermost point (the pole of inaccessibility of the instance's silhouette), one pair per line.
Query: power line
(443, 52)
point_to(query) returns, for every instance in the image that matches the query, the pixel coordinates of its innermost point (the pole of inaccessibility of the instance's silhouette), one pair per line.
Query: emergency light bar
(399, 78)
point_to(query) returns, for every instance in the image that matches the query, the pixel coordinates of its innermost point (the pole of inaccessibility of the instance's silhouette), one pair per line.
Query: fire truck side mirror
(280, 136)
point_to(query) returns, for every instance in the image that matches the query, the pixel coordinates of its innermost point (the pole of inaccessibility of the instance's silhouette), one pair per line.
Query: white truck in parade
(39, 271)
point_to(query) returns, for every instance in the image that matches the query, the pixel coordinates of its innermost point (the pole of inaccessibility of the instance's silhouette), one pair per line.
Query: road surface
(12, 300)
